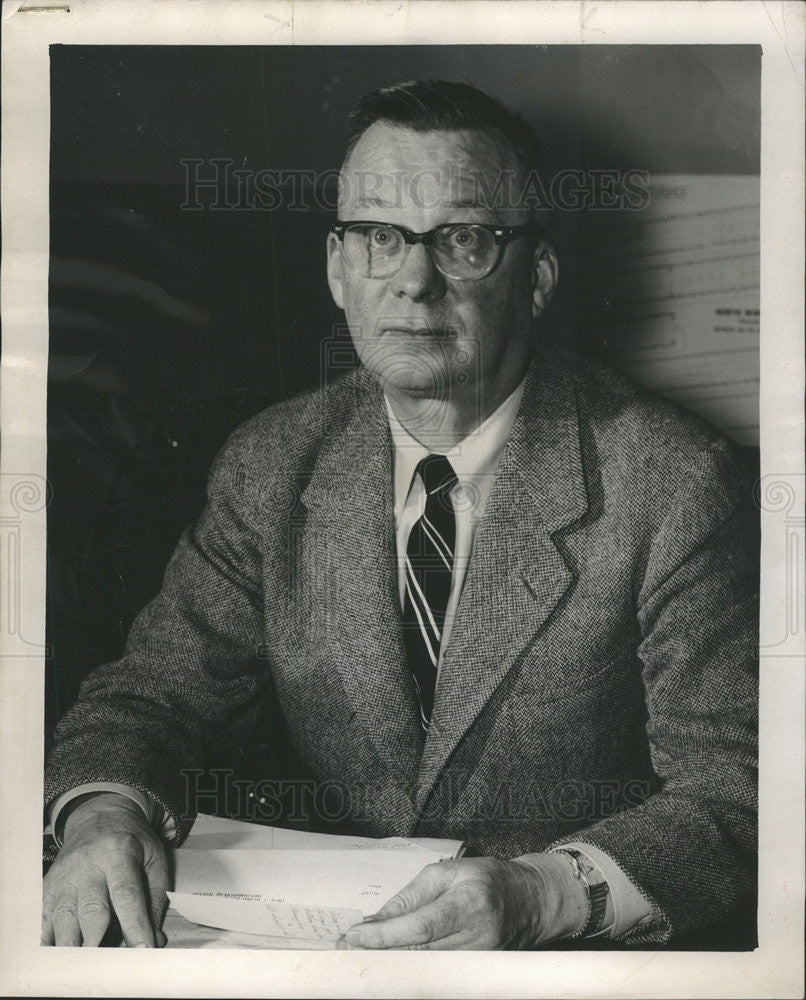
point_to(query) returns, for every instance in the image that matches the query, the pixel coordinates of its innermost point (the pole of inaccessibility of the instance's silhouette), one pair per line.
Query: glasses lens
(374, 250)
(465, 251)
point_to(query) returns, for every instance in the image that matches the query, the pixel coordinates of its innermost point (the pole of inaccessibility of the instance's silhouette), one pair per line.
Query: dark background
(169, 327)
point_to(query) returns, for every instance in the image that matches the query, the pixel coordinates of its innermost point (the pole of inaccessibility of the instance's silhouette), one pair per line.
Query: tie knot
(437, 474)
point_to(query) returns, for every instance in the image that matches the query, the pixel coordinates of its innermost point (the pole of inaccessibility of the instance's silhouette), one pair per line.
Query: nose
(418, 277)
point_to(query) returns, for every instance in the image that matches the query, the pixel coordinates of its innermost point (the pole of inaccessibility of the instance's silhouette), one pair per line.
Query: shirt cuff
(154, 814)
(630, 906)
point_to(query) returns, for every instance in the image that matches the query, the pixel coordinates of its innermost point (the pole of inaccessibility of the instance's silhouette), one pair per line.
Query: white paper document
(352, 879)
(214, 833)
(296, 886)
(261, 916)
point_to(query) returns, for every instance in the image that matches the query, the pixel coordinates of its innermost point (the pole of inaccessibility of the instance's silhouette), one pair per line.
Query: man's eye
(381, 236)
(463, 239)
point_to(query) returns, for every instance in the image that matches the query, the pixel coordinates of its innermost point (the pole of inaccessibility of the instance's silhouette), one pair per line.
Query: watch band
(596, 889)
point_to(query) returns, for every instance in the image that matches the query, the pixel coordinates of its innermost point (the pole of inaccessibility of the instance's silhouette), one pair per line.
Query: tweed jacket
(599, 684)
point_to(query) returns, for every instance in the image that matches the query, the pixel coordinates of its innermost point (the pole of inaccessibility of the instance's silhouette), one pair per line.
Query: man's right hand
(112, 862)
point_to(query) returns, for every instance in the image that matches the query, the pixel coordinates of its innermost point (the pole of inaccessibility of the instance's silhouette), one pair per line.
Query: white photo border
(775, 968)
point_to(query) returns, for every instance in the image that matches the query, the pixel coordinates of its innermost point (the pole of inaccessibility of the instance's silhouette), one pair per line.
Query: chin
(409, 366)
(402, 382)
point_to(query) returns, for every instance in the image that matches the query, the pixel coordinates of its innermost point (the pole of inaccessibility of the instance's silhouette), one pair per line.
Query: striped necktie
(429, 566)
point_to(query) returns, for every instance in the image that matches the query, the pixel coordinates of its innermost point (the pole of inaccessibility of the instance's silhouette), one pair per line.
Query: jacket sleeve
(189, 681)
(691, 847)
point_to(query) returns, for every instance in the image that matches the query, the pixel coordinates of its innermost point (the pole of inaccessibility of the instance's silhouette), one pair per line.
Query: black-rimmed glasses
(465, 251)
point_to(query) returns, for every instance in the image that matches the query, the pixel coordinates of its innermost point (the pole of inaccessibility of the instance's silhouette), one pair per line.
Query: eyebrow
(466, 203)
(372, 202)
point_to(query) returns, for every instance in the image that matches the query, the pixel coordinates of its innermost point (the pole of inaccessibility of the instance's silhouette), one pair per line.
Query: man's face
(418, 331)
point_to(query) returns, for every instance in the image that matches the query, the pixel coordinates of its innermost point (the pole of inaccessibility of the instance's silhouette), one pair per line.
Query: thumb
(431, 882)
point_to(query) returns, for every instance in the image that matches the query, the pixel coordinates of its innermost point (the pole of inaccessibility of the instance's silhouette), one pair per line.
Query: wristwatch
(596, 889)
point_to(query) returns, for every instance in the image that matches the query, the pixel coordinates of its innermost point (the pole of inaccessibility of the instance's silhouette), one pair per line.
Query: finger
(156, 872)
(430, 883)
(46, 936)
(428, 924)
(66, 930)
(454, 942)
(128, 897)
(94, 914)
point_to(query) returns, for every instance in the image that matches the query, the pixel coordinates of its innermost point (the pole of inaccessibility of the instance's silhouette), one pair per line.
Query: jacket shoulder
(646, 453)
(288, 435)
(630, 423)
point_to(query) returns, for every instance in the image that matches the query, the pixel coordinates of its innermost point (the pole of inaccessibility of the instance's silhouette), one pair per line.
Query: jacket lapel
(517, 574)
(351, 519)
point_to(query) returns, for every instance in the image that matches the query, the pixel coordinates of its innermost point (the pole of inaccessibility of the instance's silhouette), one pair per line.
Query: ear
(544, 277)
(335, 277)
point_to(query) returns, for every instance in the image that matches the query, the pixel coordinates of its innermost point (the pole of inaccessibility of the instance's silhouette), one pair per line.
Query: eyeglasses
(462, 250)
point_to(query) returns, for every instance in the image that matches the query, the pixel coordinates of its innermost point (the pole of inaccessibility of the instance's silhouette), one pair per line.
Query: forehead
(398, 166)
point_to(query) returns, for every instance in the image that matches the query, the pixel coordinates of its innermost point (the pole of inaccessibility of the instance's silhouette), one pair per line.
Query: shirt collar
(473, 458)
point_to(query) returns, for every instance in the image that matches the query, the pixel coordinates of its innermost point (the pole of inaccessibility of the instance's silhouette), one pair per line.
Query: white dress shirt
(474, 460)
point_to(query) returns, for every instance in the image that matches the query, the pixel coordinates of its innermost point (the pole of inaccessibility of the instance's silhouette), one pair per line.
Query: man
(510, 594)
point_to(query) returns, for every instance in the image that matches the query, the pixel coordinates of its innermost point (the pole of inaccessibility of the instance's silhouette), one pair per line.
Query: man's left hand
(478, 903)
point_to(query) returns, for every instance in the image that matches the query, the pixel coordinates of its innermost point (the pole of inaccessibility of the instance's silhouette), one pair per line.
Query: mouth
(399, 330)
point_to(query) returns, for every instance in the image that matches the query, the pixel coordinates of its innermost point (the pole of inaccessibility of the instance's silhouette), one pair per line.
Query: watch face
(591, 871)
(598, 891)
